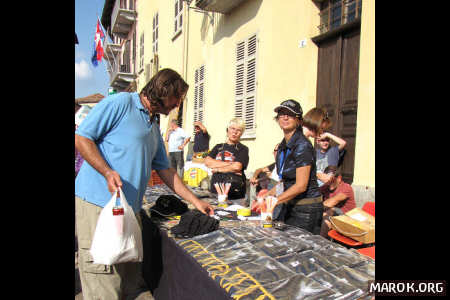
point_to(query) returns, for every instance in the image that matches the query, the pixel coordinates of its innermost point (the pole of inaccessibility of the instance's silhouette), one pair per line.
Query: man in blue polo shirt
(121, 145)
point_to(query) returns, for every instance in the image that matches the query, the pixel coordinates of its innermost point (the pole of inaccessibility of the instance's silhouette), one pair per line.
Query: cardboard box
(356, 224)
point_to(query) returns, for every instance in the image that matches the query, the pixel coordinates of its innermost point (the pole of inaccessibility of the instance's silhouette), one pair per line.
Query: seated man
(338, 197)
(265, 177)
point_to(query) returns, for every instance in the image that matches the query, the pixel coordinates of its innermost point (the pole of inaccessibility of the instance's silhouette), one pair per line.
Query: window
(178, 16)
(134, 59)
(245, 90)
(155, 33)
(141, 51)
(199, 100)
(334, 13)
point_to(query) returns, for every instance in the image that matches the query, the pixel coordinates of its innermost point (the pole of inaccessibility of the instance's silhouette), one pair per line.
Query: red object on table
(369, 207)
(343, 239)
(369, 251)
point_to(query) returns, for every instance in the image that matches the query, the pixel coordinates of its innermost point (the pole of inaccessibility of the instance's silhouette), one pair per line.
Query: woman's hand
(253, 181)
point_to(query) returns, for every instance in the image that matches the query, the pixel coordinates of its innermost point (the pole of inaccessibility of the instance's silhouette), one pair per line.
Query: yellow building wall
(170, 51)
(365, 130)
(284, 69)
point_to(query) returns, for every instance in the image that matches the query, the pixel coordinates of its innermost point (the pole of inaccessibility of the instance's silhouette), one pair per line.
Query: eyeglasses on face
(235, 129)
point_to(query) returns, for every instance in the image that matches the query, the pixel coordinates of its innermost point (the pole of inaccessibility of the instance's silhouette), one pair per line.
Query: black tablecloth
(170, 272)
(182, 276)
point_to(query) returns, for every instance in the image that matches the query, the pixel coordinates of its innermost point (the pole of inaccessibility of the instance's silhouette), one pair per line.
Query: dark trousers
(308, 217)
(177, 162)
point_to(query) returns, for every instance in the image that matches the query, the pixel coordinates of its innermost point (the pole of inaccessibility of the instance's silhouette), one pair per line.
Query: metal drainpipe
(185, 52)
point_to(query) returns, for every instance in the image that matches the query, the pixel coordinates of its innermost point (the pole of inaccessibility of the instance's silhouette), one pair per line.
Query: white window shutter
(245, 95)
(240, 75)
(199, 94)
(155, 33)
(201, 98)
(196, 96)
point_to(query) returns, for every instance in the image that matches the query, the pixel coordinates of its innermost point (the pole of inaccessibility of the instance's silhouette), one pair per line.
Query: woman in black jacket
(298, 192)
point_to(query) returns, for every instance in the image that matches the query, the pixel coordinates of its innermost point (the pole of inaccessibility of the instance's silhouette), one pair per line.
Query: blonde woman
(229, 160)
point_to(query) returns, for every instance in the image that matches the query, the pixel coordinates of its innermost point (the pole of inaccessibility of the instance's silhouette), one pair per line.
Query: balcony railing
(334, 14)
(220, 6)
(122, 18)
(121, 75)
(111, 50)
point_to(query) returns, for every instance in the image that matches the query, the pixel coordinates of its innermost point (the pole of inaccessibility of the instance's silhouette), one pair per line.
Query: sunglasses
(289, 114)
(275, 150)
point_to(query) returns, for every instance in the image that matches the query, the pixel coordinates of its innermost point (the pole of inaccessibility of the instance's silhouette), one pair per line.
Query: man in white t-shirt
(177, 139)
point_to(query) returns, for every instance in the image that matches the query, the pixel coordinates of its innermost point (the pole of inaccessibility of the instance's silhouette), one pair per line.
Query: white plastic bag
(108, 245)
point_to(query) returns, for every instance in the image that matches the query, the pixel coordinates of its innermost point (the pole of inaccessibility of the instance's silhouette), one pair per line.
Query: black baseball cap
(292, 105)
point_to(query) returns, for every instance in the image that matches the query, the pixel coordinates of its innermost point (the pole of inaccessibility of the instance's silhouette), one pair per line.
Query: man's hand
(253, 181)
(204, 207)
(113, 181)
(325, 178)
(180, 147)
(173, 181)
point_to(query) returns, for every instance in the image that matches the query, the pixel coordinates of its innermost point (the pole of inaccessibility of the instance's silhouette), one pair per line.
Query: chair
(368, 251)
(334, 235)
(368, 207)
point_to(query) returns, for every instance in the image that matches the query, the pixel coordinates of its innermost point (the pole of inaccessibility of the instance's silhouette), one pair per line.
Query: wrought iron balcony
(121, 75)
(111, 50)
(123, 18)
(220, 6)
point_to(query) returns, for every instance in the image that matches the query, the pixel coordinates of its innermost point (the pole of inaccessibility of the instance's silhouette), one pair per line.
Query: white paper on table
(222, 213)
(242, 218)
(234, 207)
(359, 217)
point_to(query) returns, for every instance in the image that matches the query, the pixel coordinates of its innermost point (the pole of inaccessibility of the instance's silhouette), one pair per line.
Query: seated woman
(228, 161)
(298, 192)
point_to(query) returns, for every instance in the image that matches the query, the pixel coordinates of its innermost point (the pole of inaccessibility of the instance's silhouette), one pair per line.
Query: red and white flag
(98, 44)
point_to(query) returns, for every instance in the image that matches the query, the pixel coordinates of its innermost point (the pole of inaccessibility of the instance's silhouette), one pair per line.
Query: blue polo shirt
(130, 145)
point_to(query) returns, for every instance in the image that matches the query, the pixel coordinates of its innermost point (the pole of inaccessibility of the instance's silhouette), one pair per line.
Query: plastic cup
(266, 219)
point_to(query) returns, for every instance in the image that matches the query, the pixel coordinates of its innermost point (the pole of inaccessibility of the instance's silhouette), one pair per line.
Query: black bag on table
(238, 187)
(194, 223)
(168, 205)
